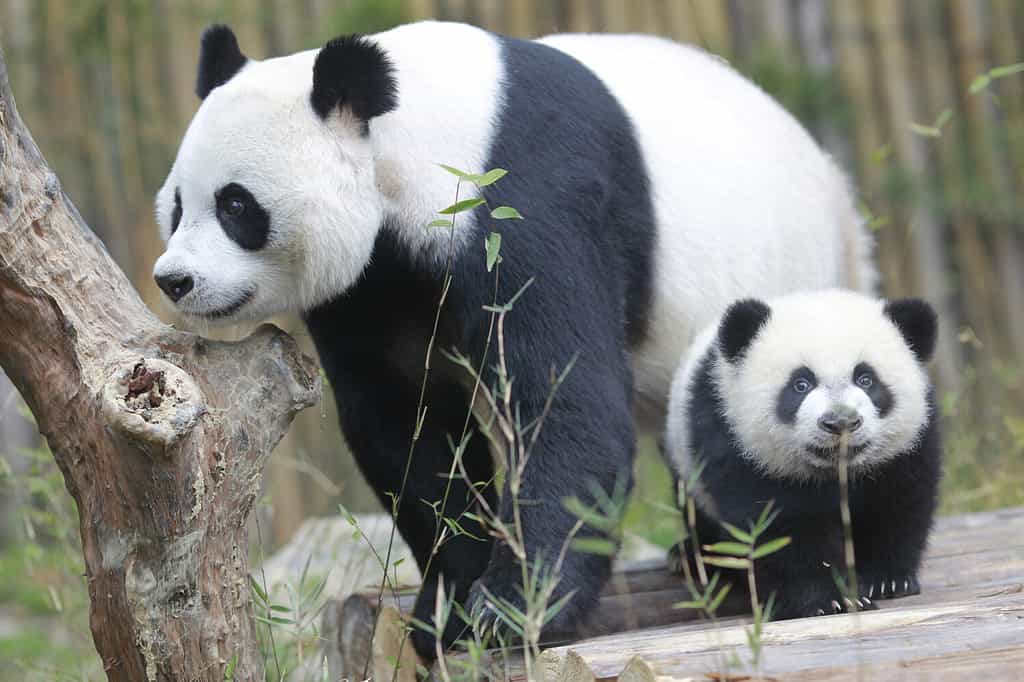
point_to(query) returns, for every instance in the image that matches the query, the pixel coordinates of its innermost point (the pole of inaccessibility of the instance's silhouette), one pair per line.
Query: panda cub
(761, 399)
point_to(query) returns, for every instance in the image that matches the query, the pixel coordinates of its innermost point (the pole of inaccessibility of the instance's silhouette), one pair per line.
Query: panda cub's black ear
(740, 325)
(918, 324)
(219, 59)
(353, 72)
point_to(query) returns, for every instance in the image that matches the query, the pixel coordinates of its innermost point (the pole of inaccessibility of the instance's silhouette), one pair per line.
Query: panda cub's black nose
(175, 285)
(840, 420)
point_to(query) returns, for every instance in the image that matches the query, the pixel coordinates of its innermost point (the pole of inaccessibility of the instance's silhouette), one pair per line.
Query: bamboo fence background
(106, 86)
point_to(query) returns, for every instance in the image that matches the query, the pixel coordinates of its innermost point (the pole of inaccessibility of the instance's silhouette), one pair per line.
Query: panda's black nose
(837, 421)
(175, 285)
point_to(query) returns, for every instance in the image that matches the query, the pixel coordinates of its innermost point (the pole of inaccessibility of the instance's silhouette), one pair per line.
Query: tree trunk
(161, 435)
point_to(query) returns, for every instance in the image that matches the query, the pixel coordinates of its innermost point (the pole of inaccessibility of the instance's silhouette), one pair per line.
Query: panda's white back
(745, 200)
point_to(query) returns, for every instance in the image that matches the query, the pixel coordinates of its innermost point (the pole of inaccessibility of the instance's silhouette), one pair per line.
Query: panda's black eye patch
(176, 211)
(801, 382)
(866, 379)
(243, 219)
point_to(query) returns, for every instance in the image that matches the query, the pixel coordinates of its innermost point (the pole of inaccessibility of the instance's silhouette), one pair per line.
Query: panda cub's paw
(845, 605)
(889, 587)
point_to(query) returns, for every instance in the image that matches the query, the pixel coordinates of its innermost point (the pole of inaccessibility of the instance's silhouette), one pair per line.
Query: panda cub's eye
(234, 207)
(802, 385)
(865, 381)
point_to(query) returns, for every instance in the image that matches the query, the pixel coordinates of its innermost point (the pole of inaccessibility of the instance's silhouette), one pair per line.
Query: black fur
(176, 211)
(741, 323)
(577, 176)
(879, 391)
(219, 59)
(918, 324)
(250, 228)
(892, 511)
(352, 71)
(790, 399)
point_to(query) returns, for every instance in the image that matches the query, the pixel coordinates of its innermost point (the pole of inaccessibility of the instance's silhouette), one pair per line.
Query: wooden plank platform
(967, 624)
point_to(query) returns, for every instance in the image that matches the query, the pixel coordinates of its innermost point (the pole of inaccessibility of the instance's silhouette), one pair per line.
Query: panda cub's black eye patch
(243, 219)
(176, 211)
(801, 382)
(865, 378)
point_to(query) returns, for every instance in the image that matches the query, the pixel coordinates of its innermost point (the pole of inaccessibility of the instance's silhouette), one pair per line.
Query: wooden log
(972, 600)
(977, 555)
(907, 640)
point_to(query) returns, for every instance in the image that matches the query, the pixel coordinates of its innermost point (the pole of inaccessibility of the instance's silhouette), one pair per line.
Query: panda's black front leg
(377, 407)
(802, 576)
(585, 443)
(891, 526)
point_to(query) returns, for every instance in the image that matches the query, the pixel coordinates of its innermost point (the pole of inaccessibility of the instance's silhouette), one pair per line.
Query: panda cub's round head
(794, 374)
(272, 203)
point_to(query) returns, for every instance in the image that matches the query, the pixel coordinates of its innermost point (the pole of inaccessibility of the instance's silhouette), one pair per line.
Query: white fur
(745, 202)
(327, 188)
(830, 332)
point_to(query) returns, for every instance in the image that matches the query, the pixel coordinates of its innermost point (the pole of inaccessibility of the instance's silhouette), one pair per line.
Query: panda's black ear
(355, 73)
(918, 324)
(740, 325)
(219, 59)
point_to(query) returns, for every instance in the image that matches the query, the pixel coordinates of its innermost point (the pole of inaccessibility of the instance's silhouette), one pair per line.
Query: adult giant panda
(656, 185)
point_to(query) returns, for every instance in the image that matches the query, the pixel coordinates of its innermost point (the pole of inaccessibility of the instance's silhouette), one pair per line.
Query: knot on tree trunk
(152, 403)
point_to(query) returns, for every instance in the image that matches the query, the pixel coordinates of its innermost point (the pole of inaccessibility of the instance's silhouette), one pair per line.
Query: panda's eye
(801, 386)
(865, 381)
(233, 206)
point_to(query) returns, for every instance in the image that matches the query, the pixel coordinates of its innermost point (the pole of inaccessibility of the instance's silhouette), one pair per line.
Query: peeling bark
(161, 435)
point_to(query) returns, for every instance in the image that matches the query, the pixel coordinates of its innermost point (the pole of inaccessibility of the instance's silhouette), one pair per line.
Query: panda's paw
(890, 587)
(845, 605)
(424, 640)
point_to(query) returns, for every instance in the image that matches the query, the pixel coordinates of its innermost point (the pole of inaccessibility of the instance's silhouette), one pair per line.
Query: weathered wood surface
(968, 623)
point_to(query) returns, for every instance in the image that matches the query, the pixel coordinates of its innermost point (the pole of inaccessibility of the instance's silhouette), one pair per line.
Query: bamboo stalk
(924, 257)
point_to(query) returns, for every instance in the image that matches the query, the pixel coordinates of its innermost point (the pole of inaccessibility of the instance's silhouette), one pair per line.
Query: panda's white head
(272, 202)
(793, 375)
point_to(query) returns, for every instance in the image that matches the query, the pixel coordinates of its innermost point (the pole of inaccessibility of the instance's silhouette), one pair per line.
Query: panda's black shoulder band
(353, 71)
(219, 59)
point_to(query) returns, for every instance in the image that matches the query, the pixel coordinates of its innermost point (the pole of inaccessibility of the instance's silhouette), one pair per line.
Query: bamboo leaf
(979, 83)
(257, 589)
(490, 177)
(740, 535)
(440, 222)
(462, 175)
(461, 206)
(727, 562)
(599, 546)
(506, 213)
(493, 247)
(1008, 70)
(770, 547)
(925, 130)
(717, 601)
(731, 548)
